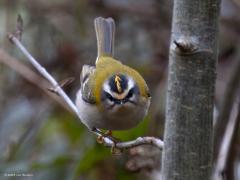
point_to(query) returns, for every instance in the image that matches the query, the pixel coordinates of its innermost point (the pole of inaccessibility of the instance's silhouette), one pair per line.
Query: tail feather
(105, 32)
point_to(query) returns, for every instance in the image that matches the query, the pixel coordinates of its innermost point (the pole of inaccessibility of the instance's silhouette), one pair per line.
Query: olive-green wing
(87, 84)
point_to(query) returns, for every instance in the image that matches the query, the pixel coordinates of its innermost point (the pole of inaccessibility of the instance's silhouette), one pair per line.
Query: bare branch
(44, 73)
(62, 84)
(227, 104)
(19, 29)
(139, 141)
(107, 141)
(225, 149)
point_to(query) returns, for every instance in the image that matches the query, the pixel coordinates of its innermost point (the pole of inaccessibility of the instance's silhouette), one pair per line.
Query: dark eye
(130, 93)
(109, 97)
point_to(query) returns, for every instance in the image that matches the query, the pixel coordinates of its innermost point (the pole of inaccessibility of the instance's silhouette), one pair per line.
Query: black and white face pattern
(120, 89)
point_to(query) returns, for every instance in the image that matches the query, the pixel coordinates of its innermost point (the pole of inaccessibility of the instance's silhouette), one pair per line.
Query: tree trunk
(188, 145)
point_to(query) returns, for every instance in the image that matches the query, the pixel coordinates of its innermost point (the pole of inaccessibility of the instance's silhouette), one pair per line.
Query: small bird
(112, 96)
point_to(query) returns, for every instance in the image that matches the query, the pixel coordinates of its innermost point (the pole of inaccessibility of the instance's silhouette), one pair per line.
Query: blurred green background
(38, 135)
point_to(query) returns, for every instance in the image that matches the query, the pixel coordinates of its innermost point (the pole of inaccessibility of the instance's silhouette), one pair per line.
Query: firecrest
(112, 96)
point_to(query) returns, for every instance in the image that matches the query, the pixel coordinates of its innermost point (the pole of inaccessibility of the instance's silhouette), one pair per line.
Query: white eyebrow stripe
(106, 87)
(131, 83)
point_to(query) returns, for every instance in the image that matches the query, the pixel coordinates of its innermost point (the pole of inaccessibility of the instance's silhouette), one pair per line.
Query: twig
(106, 140)
(225, 127)
(227, 104)
(224, 153)
(62, 84)
(43, 72)
(139, 141)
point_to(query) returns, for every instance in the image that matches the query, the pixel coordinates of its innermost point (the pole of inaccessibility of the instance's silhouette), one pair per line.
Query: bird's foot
(115, 150)
(107, 134)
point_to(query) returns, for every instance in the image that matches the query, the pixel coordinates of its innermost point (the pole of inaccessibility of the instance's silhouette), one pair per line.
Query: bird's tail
(105, 32)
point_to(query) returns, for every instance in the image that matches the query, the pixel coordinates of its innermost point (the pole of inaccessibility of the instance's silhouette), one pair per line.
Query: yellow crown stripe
(117, 81)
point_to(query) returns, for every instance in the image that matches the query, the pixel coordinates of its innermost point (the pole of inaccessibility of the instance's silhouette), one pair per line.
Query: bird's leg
(100, 136)
(107, 134)
(115, 150)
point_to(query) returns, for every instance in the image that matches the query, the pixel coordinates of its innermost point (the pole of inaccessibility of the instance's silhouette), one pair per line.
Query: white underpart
(119, 117)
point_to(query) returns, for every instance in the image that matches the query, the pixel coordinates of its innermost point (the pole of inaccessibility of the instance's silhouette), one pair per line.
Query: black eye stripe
(130, 93)
(119, 101)
(109, 96)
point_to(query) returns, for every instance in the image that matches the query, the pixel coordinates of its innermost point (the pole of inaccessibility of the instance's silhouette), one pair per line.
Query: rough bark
(188, 145)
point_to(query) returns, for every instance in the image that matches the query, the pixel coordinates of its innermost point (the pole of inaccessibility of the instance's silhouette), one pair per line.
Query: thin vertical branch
(226, 106)
(225, 148)
(226, 127)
